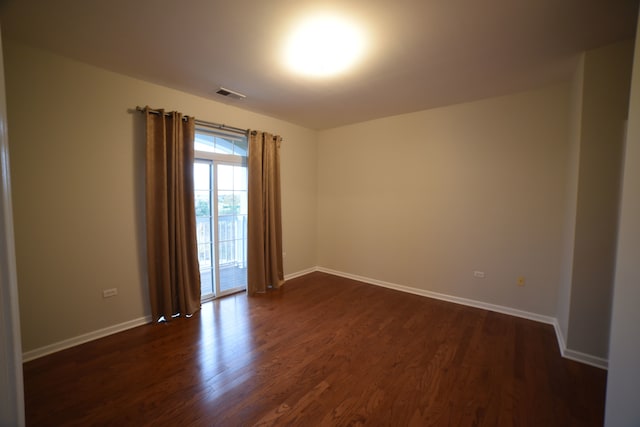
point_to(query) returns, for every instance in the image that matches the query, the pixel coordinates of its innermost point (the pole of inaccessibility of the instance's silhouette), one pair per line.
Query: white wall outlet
(107, 293)
(479, 274)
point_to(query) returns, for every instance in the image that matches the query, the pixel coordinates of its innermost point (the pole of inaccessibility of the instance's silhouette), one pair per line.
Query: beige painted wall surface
(424, 199)
(623, 379)
(605, 99)
(78, 174)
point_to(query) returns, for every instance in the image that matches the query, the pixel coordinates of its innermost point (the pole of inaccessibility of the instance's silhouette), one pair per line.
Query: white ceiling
(425, 53)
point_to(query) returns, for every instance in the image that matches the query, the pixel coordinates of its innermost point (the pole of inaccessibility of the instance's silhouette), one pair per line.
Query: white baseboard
(81, 339)
(577, 356)
(300, 273)
(562, 343)
(587, 359)
(445, 297)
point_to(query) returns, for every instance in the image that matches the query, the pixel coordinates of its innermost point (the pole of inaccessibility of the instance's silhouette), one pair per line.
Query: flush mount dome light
(324, 45)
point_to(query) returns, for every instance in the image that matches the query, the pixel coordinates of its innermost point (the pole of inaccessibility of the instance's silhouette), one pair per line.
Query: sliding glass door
(221, 213)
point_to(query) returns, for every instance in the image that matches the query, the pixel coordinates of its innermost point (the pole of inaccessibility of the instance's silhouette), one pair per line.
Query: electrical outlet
(107, 293)
(479, 274)
(521, 281)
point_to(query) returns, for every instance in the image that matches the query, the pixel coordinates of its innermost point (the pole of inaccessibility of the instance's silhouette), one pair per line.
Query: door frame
(11, 381)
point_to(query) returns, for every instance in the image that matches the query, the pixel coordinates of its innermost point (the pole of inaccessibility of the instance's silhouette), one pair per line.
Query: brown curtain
(264, 233)
(172, 253)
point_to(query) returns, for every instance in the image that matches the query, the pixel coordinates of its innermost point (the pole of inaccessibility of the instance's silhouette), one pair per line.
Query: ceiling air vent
(230, 93)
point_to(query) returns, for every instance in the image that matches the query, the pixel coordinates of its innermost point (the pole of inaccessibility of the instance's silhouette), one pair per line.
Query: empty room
(332, 213)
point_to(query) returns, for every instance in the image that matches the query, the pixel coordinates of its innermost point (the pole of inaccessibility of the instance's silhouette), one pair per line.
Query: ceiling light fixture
(324, 45)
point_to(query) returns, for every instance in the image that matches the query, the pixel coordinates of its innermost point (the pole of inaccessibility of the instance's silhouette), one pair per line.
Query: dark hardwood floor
(321, 351)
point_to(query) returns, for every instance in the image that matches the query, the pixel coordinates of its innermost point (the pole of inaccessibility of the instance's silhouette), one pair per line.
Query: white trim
(576, 356)
(11, 381)
(81, 339)
(300, 273)
(101, 333)
(562, 343)
(587, 359)
(444, 297)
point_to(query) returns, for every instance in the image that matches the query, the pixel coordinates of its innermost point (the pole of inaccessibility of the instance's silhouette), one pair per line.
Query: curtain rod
(202, 122)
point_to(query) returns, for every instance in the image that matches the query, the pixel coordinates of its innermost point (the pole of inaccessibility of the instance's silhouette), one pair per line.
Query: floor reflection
(226, 345)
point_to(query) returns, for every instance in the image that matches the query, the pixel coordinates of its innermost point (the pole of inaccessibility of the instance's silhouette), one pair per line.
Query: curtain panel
(172, 253)
(265, 267)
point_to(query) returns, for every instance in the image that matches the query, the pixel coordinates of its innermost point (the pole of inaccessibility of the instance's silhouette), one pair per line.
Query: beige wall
(424, 199)
(623, 379)
(605, 98)
(77, 158)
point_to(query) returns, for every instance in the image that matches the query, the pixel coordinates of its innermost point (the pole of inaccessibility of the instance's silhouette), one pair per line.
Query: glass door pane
(221, 220)
(203, 184)
(232, 227)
